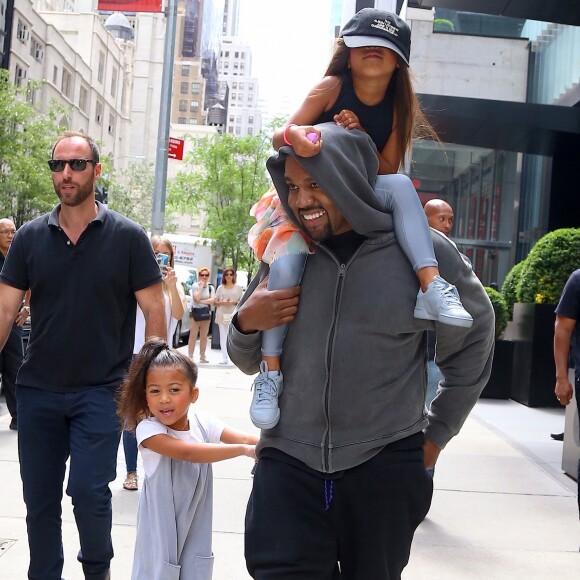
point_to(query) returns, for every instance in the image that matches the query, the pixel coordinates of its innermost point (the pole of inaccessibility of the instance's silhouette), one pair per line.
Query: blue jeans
(130, 450)
(53, 427)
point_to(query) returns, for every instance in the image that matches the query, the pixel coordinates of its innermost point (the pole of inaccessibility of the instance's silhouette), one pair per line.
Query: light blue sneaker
(267, 386)
(441, 302)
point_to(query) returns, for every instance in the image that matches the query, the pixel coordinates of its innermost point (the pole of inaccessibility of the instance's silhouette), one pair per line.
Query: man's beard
(81, 195)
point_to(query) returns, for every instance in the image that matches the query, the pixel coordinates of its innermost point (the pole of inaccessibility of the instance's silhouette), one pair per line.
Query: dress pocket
(170, 571)
(203, 567)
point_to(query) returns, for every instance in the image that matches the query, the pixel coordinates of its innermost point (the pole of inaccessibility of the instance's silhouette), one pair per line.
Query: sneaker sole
(462, 322)
(269, 425)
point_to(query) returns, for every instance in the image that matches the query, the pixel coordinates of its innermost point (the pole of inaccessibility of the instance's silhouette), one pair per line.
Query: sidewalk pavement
(502, 508)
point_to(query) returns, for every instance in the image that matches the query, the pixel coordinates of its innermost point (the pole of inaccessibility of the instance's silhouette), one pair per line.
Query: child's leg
(437, 299)
(285, 272)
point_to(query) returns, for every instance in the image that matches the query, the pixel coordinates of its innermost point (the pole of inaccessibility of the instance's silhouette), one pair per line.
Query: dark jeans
(51, 428)
(10, 360)
(130, 450)
(577, 394)
(366, 532)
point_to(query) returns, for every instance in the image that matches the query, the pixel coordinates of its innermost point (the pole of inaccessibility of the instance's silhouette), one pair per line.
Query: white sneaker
(441, 302)
(267, 386)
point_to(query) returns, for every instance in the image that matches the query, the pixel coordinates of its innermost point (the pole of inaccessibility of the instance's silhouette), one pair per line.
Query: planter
(502, 371)
(532, 331)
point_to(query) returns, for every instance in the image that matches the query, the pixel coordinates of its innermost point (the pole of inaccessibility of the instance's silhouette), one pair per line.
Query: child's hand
(250, 451)
(303, 141)
(348, 120)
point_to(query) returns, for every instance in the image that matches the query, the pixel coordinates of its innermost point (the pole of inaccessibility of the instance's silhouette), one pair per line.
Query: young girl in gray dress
(178, 446)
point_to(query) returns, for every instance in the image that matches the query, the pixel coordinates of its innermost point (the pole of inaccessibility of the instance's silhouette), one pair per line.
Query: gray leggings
(400, 199)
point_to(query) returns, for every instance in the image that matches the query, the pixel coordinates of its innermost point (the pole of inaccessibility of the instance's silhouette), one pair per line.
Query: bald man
(439, 215)
(12, 354)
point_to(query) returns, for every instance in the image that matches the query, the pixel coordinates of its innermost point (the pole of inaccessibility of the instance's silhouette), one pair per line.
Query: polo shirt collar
(100, 217)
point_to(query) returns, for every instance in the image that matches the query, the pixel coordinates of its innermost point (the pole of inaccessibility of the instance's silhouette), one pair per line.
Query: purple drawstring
(328, 489)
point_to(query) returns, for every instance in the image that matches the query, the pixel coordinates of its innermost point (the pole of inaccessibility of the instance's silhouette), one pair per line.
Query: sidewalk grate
(4, 545)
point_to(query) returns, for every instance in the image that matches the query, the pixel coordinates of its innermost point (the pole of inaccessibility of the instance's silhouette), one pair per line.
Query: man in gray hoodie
(341, 484)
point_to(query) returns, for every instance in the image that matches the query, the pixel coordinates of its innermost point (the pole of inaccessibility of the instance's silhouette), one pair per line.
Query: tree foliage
(223, 177)
(130, 191)
(26, 138)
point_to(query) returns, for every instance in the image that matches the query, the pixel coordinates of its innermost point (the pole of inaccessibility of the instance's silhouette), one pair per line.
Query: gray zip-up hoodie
(354, 360)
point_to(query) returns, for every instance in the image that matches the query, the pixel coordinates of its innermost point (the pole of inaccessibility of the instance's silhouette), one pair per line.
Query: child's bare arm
(230, 435)
(318, 100)
(196, 452)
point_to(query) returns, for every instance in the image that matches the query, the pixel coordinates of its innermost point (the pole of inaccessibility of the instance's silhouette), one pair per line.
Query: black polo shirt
(82, 298)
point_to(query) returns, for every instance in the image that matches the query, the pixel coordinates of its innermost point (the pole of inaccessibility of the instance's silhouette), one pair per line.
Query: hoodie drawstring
(328, 492)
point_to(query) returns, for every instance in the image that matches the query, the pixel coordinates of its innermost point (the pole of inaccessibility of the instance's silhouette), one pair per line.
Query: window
(238, 131)
(236, 54)
(101, 68)
(185, 70)
(250, 86)
(241, 85)
(182, 106)
(239, 119)
(184, 88)
(66, 85)
(83, 99)
(193, 121)
(250, 120)
(36, 49)
(181, 120)
(195, 88)
(111, 127)
(54, 75)
(194, 106)
(20, 76)
(30, 94)
(250, 131)
(227, 54)
(99, 112)
(22, 32)
(114, 83)
(231, 130)
(231, 118)
(234, 96)
(234, 85)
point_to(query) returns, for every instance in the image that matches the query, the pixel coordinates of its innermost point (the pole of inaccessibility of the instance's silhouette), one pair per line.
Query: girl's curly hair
(131, 400)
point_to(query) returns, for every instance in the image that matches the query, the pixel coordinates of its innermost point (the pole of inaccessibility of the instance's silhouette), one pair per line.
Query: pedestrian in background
(566, 342)
(174, 300)
(87, 268)
(227, 296)
(202, 297)
(12, 354)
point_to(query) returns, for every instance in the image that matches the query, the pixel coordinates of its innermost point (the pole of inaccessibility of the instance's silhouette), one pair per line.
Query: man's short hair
(95, 153)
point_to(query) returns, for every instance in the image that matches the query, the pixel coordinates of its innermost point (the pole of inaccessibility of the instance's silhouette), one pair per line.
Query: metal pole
(158, 213)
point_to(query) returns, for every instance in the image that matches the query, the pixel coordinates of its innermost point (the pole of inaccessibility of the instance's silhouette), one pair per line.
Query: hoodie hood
(346, 170)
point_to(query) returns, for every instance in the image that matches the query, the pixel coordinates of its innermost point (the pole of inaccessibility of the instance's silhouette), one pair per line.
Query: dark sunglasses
(57, 165)
(204, 275)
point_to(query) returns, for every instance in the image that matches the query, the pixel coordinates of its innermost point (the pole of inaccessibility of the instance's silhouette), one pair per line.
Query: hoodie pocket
(170, 571)
(203, 567)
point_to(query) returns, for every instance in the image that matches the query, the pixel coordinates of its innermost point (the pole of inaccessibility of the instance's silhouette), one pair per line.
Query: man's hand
(265, 309)
(430, 454)
(563, 391)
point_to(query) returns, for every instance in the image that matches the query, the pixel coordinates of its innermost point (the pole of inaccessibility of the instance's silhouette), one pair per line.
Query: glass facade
(482, 186)
(501, 199)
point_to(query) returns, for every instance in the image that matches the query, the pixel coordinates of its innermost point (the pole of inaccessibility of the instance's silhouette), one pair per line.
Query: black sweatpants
(357, 526)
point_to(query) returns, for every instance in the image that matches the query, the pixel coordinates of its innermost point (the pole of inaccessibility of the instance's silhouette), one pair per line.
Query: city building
(235, 67)
(502, 90)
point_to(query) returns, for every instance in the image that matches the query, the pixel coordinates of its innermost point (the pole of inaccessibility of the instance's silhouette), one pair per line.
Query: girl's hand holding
(305, 139)
(250, 451)
(348, 120)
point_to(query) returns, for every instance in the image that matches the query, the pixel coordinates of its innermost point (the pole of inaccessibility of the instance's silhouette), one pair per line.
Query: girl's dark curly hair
(131, 401)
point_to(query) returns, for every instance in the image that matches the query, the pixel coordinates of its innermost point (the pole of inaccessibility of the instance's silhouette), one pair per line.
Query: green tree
(26, 137)
(130, 191)
(224, 177)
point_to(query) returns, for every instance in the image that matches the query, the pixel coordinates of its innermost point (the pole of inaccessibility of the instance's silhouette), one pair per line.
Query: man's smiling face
(313, 209)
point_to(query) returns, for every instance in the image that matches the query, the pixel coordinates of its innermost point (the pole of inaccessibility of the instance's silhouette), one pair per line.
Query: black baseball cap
(370, 27)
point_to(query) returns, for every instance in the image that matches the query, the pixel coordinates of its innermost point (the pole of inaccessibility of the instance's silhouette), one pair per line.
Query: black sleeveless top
(377, 120)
